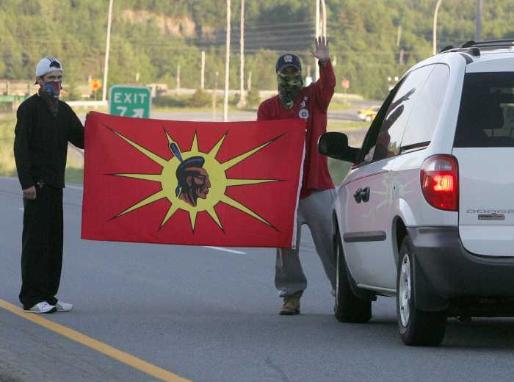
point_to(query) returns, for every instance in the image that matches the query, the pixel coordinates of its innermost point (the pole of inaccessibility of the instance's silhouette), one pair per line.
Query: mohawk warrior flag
(194, 183)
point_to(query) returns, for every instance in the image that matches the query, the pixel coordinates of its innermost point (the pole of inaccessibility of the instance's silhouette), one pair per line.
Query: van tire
(348, 306)
(417, 328)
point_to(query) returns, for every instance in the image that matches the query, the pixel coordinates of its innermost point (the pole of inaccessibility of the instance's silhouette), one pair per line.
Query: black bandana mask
(289, 86)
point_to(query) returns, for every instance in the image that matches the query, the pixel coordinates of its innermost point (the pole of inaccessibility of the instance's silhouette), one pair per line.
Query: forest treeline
(152, 40)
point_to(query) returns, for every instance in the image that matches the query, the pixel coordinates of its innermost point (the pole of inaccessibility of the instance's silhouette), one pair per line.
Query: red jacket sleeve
(325, 85)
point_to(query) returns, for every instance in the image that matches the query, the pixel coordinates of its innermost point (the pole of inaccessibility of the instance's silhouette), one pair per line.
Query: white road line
(75, 187)
(226, 250)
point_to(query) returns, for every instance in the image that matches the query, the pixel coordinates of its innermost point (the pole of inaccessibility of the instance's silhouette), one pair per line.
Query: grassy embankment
(74, 168)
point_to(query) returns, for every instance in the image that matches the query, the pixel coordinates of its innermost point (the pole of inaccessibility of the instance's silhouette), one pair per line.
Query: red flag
(195, 183)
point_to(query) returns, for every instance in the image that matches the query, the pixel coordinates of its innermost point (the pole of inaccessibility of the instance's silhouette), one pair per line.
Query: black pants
(41, 256)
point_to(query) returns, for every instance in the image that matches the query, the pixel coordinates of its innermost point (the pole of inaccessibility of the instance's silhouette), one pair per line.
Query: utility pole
(317, 33)
(107, 48)
(398, 41)
(434, 27)
(324, 17)
(249, 81)
(242, 94)
(401, 57)
(227, 65)
(214, 91)
(478, 20)
(202, 72)
(321, 29)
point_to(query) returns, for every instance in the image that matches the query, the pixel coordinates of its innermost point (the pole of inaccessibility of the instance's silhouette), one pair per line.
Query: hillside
(371, 40)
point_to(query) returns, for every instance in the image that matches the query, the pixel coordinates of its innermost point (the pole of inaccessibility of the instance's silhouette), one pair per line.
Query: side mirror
(335, 145)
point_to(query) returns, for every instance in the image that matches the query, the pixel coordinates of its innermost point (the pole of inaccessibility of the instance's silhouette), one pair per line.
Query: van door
(484, 148)
(367, 225)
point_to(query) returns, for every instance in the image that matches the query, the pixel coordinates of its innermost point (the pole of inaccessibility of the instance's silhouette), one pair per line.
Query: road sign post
(130, 101)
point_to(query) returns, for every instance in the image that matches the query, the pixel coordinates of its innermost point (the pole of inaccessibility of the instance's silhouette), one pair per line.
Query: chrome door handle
(362, 195)
(357, 195)
(365, 194)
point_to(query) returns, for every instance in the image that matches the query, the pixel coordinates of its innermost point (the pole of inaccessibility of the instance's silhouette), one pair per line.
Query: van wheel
(348, 307)
(417, 328)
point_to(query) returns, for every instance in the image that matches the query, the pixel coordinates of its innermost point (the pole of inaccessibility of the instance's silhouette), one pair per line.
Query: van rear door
(484, 148)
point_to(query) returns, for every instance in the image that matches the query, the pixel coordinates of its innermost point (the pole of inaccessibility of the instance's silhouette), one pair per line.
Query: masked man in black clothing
(44, 127)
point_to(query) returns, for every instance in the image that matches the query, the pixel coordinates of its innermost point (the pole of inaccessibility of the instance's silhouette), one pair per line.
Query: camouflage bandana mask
(289, 86)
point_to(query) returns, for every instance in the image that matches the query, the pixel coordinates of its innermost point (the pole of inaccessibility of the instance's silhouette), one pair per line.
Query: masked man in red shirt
(317, 195)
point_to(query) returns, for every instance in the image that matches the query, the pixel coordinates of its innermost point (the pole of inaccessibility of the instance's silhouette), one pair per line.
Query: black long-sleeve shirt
(41, 141)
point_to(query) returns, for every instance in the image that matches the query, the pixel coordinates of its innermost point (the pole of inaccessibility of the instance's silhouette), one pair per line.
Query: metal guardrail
(11, 98)
(88, 104)
(16, 99)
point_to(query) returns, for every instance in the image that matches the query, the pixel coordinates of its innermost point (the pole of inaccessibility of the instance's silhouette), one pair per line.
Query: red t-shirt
(311, 104)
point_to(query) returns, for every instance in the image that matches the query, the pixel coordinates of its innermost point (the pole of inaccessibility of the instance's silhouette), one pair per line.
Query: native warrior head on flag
(192, 179)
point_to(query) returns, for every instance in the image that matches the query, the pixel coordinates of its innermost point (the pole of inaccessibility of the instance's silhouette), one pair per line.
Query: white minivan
(426, 213)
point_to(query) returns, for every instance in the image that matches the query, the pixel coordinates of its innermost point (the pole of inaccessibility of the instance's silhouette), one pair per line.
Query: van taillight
(440, 182)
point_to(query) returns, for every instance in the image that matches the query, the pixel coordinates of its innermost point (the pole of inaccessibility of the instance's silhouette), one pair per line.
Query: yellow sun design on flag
(217, 173)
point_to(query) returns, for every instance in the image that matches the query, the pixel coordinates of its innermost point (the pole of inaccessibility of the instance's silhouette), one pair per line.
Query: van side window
(397, 115)
(426, 110)
(486, 116)
(368, 145)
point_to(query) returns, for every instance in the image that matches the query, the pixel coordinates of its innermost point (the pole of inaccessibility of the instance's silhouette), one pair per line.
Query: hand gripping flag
(193, 183)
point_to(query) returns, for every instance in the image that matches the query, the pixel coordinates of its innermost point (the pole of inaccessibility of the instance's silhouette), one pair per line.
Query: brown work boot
(291, 306)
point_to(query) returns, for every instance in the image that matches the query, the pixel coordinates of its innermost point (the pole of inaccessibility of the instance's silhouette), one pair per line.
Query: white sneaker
(63, 306)
(42, 307)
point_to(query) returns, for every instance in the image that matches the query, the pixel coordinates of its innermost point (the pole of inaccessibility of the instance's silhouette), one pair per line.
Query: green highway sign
(130, 101)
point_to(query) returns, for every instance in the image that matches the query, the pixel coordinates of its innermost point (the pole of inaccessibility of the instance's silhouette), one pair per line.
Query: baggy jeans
(316, 212)
(42, 247)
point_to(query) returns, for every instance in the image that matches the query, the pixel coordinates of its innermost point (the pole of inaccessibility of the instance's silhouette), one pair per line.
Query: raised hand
(321, 49)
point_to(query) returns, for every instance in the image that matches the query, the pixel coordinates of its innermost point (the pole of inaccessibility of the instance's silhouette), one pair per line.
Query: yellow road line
(101, 347)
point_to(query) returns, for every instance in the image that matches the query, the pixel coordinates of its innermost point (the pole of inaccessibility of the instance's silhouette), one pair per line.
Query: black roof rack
(473, 47)
(447, 47)
(506, 43)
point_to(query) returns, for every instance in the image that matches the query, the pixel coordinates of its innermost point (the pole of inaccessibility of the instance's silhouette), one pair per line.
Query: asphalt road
(349, 114)
(208, 314)
(344, 115)
(355, 135)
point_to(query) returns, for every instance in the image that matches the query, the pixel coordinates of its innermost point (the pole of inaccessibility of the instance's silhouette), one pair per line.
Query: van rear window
(486, 116)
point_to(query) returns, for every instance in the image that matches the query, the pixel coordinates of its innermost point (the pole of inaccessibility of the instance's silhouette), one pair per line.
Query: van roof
(473, 53)
(485, 49)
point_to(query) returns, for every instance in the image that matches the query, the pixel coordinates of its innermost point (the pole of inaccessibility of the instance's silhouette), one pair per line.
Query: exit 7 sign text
(130, 101)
